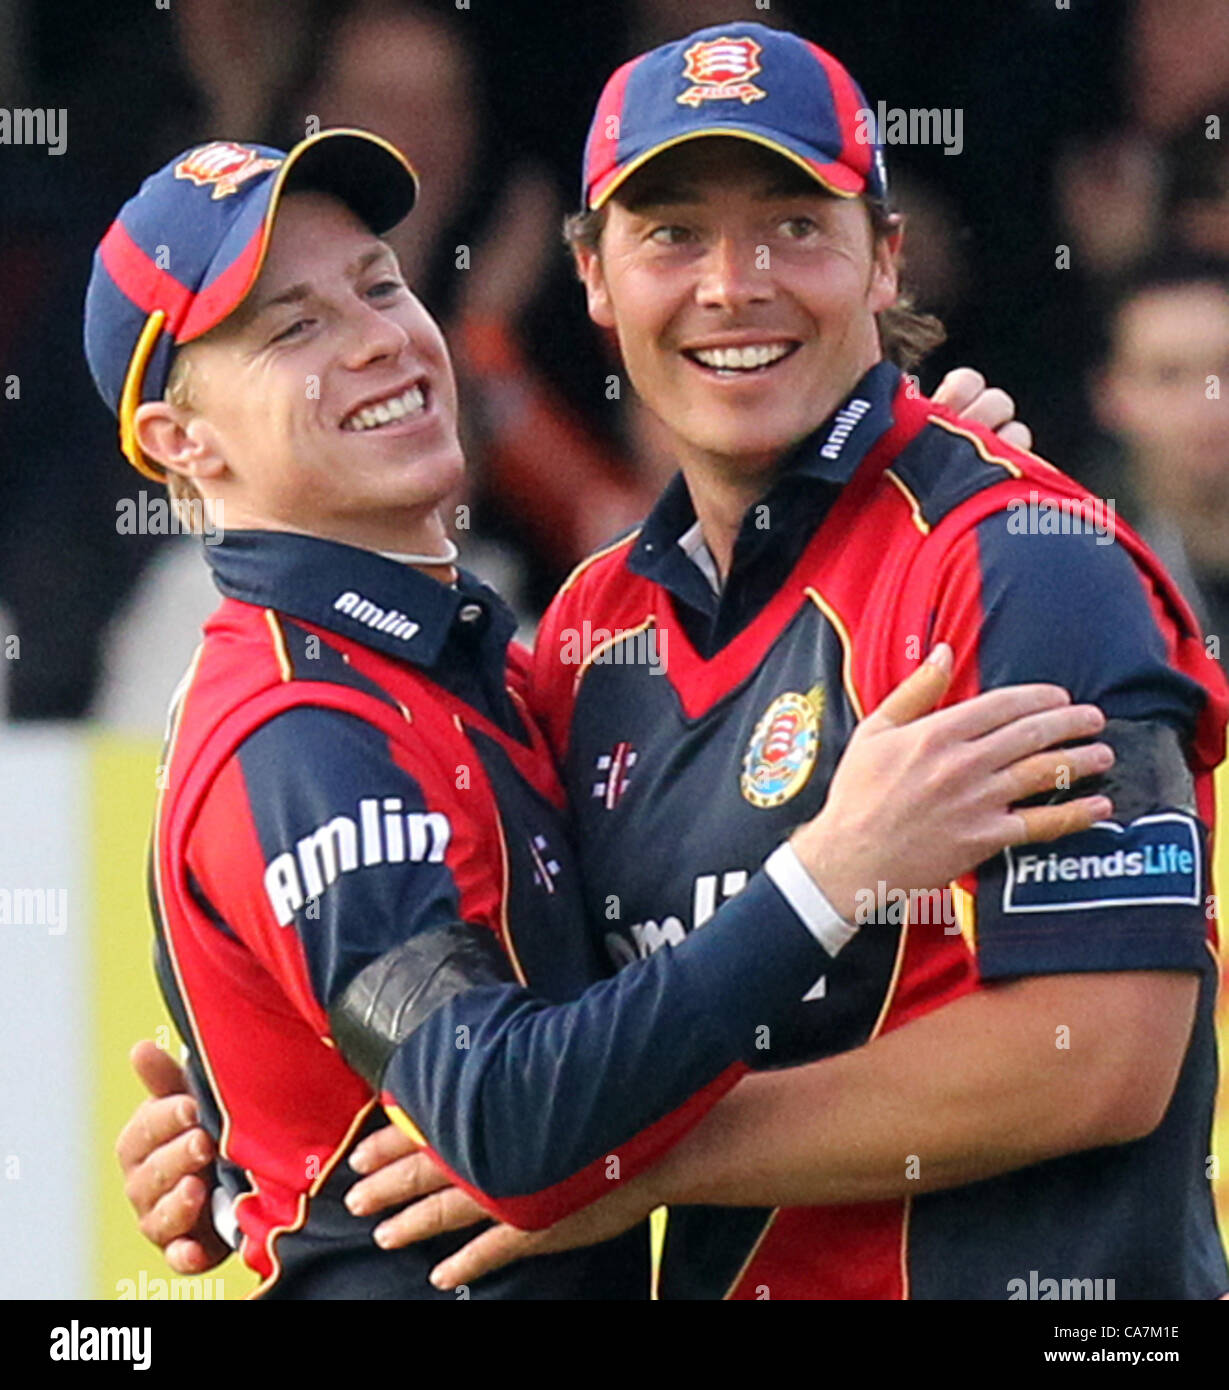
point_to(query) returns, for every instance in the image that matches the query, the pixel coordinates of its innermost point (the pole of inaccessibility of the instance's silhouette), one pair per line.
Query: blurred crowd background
(1076, 247)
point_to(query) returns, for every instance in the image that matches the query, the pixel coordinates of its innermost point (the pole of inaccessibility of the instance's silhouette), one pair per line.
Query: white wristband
(807, 899)
(222, 1209)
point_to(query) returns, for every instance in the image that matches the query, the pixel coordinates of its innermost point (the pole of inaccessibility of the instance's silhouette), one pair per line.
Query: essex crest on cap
(720, 70)
(223, 164)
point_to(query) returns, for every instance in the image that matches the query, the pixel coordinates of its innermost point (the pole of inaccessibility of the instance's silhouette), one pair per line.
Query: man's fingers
(1056, 770)
(485, 1253)
(1041, 823)
(147, 1182)
(994, 407)
(960, 388)
(176, 1214)
(1031, 733)
(384, 1146)
(436, 1215)
(161, 1073)
(153, 1124)
(917, 694)
(403, 1180)
(993, 711)
(189, 1256)
(1017, 434)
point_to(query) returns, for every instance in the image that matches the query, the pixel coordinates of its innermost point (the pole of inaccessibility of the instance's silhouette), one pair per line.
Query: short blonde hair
(179, 394)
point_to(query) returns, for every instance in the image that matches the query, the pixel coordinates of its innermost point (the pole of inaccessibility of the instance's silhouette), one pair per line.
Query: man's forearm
(1000, 1079)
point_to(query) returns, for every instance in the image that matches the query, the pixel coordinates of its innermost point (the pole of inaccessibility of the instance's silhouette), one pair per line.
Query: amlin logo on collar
(391, 621)
(1155, 859)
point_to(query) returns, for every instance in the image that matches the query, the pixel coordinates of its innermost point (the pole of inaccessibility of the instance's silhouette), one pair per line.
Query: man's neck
(723, 489)
(721, 501)
(414, 542)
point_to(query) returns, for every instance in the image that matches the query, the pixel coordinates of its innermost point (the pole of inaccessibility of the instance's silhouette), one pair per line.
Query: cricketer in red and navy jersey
(894, 526)
(353, 783)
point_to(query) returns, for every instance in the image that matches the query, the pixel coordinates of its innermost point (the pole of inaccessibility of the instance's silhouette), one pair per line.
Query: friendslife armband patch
(1154, 859)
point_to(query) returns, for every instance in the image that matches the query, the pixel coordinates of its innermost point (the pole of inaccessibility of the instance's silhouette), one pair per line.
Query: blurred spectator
(134, 95)
(1197, 203)
(1111, 187)
(1163, 395)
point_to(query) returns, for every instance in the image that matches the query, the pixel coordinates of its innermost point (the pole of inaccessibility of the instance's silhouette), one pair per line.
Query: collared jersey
(352, 763)
(695, 728)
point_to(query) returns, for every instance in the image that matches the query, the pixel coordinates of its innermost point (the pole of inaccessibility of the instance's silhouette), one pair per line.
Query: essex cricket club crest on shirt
(783, 748)
(223, 164)
(720, 70)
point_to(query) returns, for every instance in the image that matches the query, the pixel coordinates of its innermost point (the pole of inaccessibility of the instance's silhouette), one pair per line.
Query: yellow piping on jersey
(595, 557)
(846, 647)
(915, 507)
(980, 445)
(966, 915)
(305, 1198)
(279, 645)
(405, 1124)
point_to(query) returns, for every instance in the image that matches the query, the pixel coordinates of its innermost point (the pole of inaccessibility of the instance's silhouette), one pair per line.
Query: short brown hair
(906, 335)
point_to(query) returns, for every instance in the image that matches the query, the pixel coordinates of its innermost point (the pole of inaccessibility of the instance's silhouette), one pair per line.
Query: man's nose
(735, 273)
(373, 334)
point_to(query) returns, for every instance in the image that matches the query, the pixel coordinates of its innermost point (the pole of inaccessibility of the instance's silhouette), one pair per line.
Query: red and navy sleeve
(325, 855)
(1075, 609)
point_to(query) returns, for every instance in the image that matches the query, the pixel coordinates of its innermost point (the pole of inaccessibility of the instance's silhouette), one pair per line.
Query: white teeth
(745, 359)
(410, 402)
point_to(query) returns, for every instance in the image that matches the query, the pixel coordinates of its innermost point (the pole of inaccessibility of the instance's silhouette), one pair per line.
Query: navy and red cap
(741, 80)
(184, 252)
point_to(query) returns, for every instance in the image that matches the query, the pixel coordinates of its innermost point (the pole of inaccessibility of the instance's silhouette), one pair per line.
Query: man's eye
(669, 235)
(386, 289)
(293, 331)
(798, 227)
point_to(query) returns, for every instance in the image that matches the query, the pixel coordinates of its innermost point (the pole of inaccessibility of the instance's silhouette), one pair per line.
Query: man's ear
(885, 266)
(589, 268)
(181, 441)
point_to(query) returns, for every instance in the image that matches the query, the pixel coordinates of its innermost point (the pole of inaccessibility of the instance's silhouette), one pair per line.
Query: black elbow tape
(1150, 771)
(388, 999)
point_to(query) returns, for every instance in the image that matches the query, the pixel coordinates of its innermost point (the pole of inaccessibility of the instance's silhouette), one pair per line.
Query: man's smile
(379, 412)
(740, 358)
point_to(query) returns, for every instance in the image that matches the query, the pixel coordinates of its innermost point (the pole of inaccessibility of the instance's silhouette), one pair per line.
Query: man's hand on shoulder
(964, 390)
